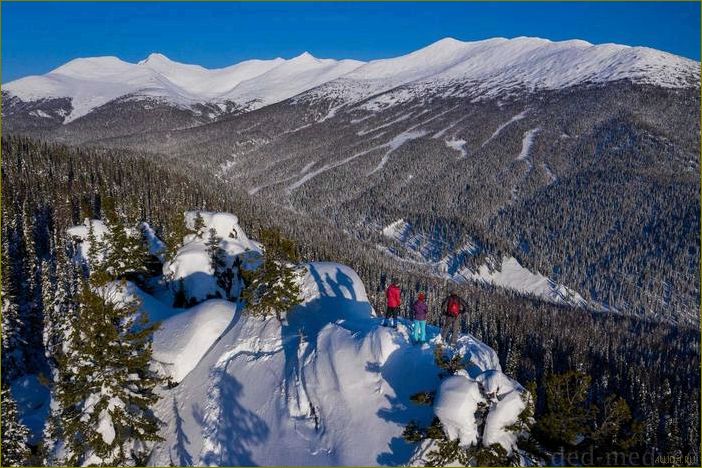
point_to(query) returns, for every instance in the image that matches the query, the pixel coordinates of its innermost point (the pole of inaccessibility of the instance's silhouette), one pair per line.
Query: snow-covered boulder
(503, 413)
(191, 267)
(456, 403)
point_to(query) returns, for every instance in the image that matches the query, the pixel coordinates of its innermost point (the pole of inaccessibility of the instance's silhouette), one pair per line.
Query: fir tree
(126, 253)
(199, 225)
(273, 286)
(11, 323)
(567, 413)
(107, 388)
(224, 274)
(176, 232)
(15, 451)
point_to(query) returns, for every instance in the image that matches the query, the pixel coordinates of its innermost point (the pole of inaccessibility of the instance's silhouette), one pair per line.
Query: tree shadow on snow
(337, 304)
(408, 370)
(238, 429)
(183, 457)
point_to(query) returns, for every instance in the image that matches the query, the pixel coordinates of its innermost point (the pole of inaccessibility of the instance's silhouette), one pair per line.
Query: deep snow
(329, 385)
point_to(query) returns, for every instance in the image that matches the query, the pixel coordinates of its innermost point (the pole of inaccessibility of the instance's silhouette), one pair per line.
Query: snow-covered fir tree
(15, 451)
(106, 389)
(272, 288)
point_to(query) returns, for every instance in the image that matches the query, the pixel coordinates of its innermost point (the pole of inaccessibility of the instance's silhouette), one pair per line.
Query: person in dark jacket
(453, 306)
(392, 295)
(420, 311)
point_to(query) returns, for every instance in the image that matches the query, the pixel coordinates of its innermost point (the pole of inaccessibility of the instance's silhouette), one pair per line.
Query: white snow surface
(328, 385)
(513, 275)
(492, 66)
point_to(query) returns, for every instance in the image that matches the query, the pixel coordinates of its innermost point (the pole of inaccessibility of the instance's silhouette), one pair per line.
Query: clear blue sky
(37, 37)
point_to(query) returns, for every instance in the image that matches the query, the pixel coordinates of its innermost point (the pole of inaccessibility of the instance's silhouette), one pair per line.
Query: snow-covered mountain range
(492, 66)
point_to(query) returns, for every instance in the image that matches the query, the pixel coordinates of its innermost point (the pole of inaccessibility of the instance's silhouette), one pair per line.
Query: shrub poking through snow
(449, 365)
(273, 287)
(106, 390)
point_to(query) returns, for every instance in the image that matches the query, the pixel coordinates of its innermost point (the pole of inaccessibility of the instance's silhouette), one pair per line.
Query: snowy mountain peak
(305, 57)
(90, 67)
(155, 57)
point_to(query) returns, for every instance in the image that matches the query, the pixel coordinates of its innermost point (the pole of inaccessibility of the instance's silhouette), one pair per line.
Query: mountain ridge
(524, 61)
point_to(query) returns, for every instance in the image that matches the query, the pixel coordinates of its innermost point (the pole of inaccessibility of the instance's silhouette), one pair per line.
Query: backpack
(453, 307)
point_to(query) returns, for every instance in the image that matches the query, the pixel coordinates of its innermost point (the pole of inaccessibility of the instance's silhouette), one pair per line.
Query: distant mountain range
(494, 65)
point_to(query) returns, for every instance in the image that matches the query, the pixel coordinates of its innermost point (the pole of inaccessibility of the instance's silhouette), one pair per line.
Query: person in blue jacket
(420, 311)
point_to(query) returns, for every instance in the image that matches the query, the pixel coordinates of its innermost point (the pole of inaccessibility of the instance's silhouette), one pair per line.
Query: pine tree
(11, 324)
(177, 230)
(567, 413)
(273, 286)
(199, 225)
(106, 388)
(15, 451)
(126, 253)
(224, 274)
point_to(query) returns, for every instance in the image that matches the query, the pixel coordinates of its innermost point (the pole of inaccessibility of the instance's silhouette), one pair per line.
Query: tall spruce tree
(126, 255)
(273, 287)
(106, 390)
(15, 451)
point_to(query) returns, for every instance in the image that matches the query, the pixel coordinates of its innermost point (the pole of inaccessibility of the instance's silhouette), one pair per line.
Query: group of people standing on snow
(452, 307)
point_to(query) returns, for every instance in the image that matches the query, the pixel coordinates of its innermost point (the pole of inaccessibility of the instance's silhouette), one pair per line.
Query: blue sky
(37, 37)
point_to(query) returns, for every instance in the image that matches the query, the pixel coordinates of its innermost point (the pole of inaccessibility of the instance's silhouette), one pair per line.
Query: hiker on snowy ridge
(420, 311)
(453, 307)
(393, 300)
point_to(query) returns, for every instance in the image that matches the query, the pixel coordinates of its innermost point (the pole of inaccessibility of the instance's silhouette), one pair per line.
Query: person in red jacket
(453, 307)
(393, 300)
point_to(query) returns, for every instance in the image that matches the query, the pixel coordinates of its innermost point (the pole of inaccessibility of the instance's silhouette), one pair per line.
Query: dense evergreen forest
(46, 188)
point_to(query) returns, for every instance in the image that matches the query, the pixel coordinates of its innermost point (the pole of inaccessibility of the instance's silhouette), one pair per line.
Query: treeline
(46, 188)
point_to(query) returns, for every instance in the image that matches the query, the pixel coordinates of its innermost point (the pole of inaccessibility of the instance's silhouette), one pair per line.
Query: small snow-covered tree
(273, 286)
(199, 225)
(15, 451)
(106, 390)
(125, 255)
(224, 274)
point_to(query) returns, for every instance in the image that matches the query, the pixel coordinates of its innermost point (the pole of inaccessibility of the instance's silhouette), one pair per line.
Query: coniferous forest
(632, 382)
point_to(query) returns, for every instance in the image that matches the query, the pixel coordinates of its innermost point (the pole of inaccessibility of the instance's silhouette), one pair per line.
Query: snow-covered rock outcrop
(328, 385)
(191, 268)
